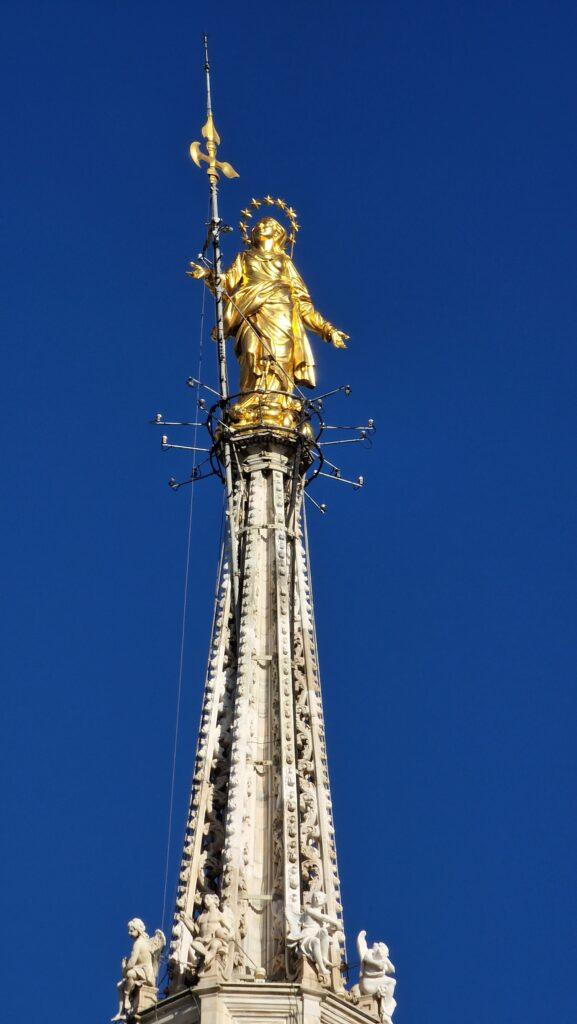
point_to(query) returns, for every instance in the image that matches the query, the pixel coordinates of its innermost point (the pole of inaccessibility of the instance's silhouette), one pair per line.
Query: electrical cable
(183, 629)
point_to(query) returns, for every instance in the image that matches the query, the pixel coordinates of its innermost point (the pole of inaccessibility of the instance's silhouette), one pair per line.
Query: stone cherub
(374, 980)
(211, 934)
(310, 933)
(267, 309)
(137, 987)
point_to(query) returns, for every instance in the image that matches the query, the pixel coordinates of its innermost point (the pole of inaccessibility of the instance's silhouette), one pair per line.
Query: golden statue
(266, 310)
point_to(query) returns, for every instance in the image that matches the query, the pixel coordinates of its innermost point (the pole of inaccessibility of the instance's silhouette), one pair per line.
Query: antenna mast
(212, 140)
(212, 137)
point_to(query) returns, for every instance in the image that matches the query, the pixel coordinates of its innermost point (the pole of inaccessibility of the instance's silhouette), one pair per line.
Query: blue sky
(430, 150)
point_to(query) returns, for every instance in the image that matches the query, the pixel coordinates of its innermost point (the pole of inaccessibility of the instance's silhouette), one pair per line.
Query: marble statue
(311, 932)
(137, 987)
(374, 980)
(211, 934)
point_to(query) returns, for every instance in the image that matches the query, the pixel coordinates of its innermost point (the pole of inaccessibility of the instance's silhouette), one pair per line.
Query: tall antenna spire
(212, 137)
(207, 74)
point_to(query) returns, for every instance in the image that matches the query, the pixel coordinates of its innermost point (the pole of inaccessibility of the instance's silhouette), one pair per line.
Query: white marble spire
(260, 834)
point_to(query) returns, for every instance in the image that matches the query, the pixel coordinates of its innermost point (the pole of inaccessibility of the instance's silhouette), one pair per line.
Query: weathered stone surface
(257, 1003)
(260, 834)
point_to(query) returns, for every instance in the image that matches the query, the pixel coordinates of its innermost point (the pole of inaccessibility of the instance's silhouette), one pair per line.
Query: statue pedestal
(369, 1005)
(256, 1002)
(145, 996)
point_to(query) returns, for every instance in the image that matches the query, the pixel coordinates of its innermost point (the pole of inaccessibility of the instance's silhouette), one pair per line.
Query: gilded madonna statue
(267, 310)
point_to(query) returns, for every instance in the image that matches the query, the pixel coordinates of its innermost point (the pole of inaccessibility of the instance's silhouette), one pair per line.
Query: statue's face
(318, 899)
(268, 228)
(132, 931)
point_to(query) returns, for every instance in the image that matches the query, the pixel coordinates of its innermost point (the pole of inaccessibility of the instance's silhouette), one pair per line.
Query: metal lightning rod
(212, 138)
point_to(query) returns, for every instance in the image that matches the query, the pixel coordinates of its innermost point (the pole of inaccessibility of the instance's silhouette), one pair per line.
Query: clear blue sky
(430, 149)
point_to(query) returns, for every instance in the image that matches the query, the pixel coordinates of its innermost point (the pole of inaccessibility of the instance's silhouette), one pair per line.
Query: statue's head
(211, 900)
(380, 951)
(136, 927)
(318, 899)
(268, 229)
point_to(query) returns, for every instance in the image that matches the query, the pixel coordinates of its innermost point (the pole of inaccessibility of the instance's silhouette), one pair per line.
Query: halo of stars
(255, 204)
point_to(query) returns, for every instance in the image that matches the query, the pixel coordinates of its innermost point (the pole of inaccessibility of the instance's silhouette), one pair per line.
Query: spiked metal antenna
(215, 166)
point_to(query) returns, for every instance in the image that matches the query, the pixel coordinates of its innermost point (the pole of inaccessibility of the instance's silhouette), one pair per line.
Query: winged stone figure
(139, 970)
(311, 932)
(375, 980)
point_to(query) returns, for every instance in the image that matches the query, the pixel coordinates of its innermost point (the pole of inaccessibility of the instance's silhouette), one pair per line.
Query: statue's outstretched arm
(362, 945)
(321, 918)
(230, 279)
(309, 316)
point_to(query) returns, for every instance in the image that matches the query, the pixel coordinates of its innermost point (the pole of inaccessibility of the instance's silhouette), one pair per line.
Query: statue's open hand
(338, 338)
(197, 271)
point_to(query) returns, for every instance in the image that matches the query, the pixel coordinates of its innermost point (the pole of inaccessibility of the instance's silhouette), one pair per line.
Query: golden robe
(272, 347)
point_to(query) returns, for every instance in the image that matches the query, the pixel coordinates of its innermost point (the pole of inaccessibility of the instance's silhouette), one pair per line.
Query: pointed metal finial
(207, 75)
(211, 135)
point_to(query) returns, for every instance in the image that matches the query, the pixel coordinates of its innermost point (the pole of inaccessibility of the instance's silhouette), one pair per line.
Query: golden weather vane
(211, 135)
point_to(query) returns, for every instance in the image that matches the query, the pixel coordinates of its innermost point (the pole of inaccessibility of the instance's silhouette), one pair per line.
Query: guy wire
(183, 626)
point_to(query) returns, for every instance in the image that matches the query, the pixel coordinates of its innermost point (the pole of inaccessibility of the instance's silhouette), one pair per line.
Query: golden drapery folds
(267, 310)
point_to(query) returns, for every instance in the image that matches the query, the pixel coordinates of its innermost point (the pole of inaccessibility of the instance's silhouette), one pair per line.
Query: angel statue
(310, 933)
(210, 934)
(137, 987)
(266, 310)
(374, 980)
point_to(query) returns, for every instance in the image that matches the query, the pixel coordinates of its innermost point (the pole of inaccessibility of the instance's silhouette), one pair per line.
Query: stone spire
(260, 832)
